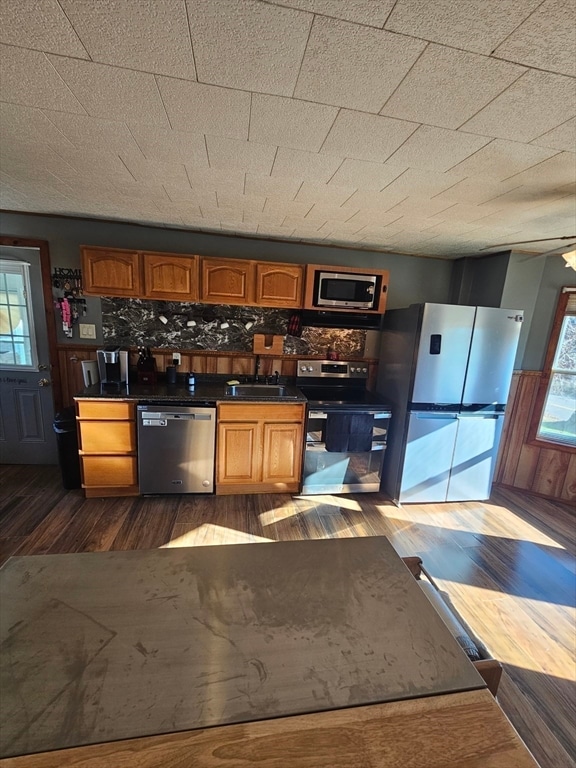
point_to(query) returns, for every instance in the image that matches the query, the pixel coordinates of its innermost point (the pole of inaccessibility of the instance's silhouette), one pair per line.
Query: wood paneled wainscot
(107, 442)
(259, 447)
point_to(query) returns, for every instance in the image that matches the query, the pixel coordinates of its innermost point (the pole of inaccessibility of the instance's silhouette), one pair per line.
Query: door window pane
(17, 344)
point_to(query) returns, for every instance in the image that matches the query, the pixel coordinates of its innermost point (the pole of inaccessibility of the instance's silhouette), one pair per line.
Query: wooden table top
(104, 646)
(456, 730)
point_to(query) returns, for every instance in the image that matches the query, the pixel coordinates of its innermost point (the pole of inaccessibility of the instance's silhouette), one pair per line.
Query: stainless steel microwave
(347, 290)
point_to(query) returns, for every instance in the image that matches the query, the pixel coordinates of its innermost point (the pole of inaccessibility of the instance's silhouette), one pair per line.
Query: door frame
(45, 266)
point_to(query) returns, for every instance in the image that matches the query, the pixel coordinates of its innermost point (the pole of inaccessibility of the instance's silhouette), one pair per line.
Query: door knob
(44, 383)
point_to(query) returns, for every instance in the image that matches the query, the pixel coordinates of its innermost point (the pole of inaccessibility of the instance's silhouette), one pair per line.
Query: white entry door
(26, 404)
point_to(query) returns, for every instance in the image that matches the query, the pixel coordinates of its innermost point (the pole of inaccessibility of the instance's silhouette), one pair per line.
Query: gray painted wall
(531, 285)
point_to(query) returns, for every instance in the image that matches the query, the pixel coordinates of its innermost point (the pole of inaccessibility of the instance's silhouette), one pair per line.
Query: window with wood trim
(554, 415)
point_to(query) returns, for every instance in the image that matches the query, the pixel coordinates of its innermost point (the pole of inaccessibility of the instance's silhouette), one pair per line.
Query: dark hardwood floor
(508, 564)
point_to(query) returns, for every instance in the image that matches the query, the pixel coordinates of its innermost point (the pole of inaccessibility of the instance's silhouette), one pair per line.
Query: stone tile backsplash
(220, 327)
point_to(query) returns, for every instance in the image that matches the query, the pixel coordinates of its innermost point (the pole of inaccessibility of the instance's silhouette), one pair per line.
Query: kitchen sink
(257, 390)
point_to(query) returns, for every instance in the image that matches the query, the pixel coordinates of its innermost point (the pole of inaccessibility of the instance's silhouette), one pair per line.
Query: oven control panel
(331, 369)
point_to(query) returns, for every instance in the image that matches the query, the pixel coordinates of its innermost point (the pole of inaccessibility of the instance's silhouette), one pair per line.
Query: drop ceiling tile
(199, 108)
(254, 218)
(337, 227)
(366, 175)
(111, 93)
(164, 145)
(373, 202)
(91, 132)
(555, 172)
(545, 40)
(367, 137)
(226, 180)
(324, 194)
(42, 26)
(345, 64)
(272, 186)
(324, 212)
(371, 12)
(249, 45)
(253, 203)
(180, 193)
(30, 125)
(240, 155)
(145, 35)
(421, 182)
(290, 122)
(287, 207)
(563, 137)
(501, 159)
(446, 87)
(534, 104)
(437, 149)
(308, 166)
(477, 190)
(29, 78)
(475, 25)
(420, 206)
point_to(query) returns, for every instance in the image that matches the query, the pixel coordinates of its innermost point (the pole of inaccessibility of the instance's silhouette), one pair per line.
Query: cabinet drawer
(109, 470)
(105, 409)
(260, 412)
(107, 436)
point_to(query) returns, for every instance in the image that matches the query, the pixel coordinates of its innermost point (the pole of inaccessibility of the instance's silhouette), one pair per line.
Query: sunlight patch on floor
(209, 534)
(481, 519)
(276, 515)
(332, 501)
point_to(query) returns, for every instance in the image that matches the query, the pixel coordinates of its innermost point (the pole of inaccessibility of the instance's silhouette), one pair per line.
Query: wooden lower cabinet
(259, 447)
(108, 448)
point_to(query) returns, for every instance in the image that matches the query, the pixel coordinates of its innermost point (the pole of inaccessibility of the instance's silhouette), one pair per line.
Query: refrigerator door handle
(437, 415)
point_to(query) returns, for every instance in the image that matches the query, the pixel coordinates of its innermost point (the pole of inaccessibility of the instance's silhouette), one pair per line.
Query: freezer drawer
(176, 448)
(428, 456)
(475, 456)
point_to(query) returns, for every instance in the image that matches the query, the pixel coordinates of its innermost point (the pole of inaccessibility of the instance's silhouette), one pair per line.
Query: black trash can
(67, 442)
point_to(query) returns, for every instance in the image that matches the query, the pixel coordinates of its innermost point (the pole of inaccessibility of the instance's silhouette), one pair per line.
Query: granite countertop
(207, 390)
(102, 646)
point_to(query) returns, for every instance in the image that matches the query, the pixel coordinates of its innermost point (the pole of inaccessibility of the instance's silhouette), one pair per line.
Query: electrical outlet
(176, 358)
(87, 330)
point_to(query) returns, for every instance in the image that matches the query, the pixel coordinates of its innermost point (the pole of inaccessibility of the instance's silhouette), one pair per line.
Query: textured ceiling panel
(546, 39)
(248, 45)
(534, 104)
(447, 87)
(353, 66)
(146, 35)
(471, 25)
(433, 128)
(371, 12)
(289, 122)
(42, 26)
(112, 93)
(366, 137)
(437, 149)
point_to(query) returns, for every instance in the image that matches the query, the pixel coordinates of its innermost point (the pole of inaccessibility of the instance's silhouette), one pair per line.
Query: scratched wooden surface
(507, 563)
(458, 730)
(112, 645)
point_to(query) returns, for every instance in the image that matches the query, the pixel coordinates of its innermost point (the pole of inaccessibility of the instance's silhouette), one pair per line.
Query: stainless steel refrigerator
(446, 370)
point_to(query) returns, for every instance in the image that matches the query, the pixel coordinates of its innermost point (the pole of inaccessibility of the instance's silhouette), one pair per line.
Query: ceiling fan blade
(561, 249)
(522, 242)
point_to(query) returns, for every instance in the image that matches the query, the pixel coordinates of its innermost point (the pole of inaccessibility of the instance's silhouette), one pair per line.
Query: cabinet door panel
(279, 285)
(227, 281)
(170, 277)
(106, 409)
(282, 453)
(109, 272)
(238, 453)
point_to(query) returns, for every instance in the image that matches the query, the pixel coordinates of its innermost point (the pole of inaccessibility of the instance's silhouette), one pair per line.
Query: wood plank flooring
(509, 565)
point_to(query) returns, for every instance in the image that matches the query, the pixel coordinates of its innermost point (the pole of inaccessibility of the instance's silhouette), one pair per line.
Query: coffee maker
(113, 369)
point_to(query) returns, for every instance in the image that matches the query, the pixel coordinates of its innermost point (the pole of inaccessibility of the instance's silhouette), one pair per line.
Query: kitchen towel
(349, 432)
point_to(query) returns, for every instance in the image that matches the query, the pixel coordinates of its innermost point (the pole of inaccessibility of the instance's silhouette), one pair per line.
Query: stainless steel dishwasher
(176, 447)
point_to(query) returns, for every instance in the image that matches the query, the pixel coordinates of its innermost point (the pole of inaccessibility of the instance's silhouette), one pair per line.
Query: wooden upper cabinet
(279, 285)
(170, 276)
(111, 272)
(227, 281)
